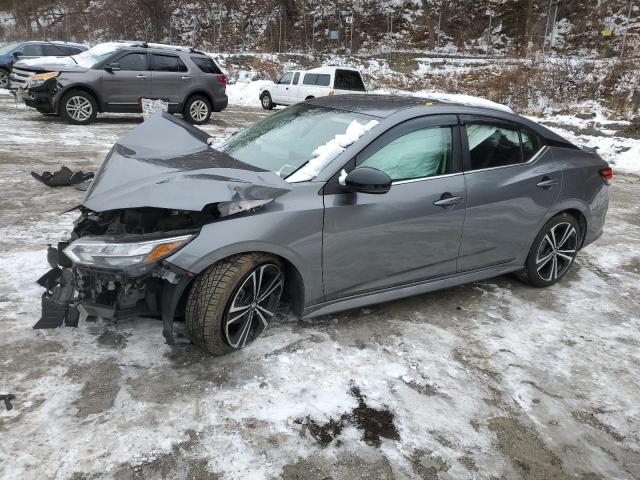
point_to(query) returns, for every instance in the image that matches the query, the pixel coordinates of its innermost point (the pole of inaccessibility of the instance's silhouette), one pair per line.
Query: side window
(530, 145)
(167, 63)
(207, 65)
(348, 80)
(492, 145)
(296, 77)
(310, 78)
(133, 61)
(73, 50)
(418, 154)
(286, 78)
(31, 50)
(323, 80)
(53, 51)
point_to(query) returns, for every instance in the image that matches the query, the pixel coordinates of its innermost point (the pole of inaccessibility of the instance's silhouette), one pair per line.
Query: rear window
(53, 51)
(167, 63)
(207, 65)
(348, 80)
(73, 50)
(320, 79)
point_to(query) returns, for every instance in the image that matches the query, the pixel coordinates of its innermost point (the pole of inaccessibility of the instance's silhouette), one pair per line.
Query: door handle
(547, 182)
(447, 200)
(143, 77)
(185, 77)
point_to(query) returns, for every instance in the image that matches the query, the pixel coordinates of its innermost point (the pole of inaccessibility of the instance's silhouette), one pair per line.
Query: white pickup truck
(297, 85)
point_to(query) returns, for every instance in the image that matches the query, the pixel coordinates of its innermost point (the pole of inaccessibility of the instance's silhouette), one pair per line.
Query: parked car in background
(13, 52)
(297, 85)
(114, 77)
(332, 204)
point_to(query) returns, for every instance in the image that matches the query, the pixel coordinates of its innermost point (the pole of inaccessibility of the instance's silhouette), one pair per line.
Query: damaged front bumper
(74, 292)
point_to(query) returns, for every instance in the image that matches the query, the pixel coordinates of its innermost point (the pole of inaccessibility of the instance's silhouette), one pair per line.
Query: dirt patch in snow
(374, 423)
(101, 386)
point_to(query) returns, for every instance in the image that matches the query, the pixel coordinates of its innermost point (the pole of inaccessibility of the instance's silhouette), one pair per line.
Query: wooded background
(518, 27)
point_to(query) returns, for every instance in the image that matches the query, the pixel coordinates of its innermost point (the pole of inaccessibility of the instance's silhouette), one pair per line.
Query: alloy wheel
(557, 251)
(79, 108)
(199, 110)
(265, 101)
(253, 305)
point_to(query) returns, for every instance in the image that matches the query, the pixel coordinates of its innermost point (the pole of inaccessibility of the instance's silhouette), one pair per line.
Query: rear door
(348, 81)
(171, 79)
(127, 82)
(410, 234)
(512, 181)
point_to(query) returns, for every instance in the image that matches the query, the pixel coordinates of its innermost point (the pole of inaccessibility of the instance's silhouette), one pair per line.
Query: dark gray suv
(114, 77)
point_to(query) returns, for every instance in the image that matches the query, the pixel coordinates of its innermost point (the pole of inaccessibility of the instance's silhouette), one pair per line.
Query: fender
(79, 86)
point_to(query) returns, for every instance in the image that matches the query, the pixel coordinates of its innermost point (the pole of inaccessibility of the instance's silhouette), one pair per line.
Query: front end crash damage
(155, 190)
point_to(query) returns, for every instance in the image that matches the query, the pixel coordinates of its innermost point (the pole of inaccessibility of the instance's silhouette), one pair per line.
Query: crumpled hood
(167, 163)
(50, 64)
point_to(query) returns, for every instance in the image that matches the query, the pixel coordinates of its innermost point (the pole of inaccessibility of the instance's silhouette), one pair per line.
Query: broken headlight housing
(40, 78)
(98, 253)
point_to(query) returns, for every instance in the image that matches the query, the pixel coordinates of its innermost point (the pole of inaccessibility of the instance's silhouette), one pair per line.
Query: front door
(512, 181)
(171, 80)
(280, 91)
(410, 234)
(127, 82)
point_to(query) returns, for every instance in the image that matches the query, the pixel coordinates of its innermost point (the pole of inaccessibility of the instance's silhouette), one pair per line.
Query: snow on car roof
(330, 69)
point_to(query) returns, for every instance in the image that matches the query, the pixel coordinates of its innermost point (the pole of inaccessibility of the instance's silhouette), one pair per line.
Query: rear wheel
(553, 252)
(78, 107)
(266, 102)
(232, 302)
(197, 110)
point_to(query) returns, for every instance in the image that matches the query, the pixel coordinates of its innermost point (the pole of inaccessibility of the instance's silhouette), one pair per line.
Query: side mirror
(367, 180)
(112, 67)
(17, 54)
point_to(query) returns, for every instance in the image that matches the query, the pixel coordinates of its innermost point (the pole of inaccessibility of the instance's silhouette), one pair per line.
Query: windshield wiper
(66, 54)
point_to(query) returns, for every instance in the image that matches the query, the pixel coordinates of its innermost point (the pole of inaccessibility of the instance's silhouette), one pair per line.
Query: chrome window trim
(422, 179)
(536, 156)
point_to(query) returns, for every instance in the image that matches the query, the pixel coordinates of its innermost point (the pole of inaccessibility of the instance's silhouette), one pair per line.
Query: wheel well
(582, 222)
(202, 94)
(309, 97)
(266, 92)
(86, 90)
(293, 286)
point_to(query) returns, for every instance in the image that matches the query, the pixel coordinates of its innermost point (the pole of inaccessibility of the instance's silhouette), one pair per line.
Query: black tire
(69, 105)
(197, 110)
(209, 321)
(266, 102)
(4, 78)
(552, 254)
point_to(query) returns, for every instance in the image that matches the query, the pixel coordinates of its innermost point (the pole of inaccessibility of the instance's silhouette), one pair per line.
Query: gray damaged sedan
(331, 204)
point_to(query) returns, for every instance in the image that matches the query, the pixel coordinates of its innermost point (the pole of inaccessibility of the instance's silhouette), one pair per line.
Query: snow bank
(447, 98)
(330, 150)
(246, 94)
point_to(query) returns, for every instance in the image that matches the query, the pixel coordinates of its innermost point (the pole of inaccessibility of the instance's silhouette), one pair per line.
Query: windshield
(289, 139)
(98, 53)
(8, 48)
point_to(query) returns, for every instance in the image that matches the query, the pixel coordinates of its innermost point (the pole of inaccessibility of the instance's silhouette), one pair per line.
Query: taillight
(223, 79)
(607, 175)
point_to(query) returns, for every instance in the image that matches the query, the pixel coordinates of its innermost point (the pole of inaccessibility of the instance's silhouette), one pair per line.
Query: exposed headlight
(40, 78)
(97, 253)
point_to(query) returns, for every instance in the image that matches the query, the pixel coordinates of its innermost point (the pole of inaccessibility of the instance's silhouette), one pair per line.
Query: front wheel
(233, 301)
(4, 78)
(78, 107)
(553, 252)
(197, 110)
(266, 102)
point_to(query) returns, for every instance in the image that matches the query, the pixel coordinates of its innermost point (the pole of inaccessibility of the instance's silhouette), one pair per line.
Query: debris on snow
(63, 177)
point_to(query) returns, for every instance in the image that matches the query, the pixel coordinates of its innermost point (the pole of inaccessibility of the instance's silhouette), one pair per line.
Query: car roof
(383, 106)
(330, 69)
(55, 42)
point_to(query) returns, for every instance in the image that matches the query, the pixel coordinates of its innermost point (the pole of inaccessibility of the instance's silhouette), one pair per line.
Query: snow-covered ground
(489, 380)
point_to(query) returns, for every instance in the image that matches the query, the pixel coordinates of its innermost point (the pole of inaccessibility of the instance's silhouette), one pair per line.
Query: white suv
(297, 85)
